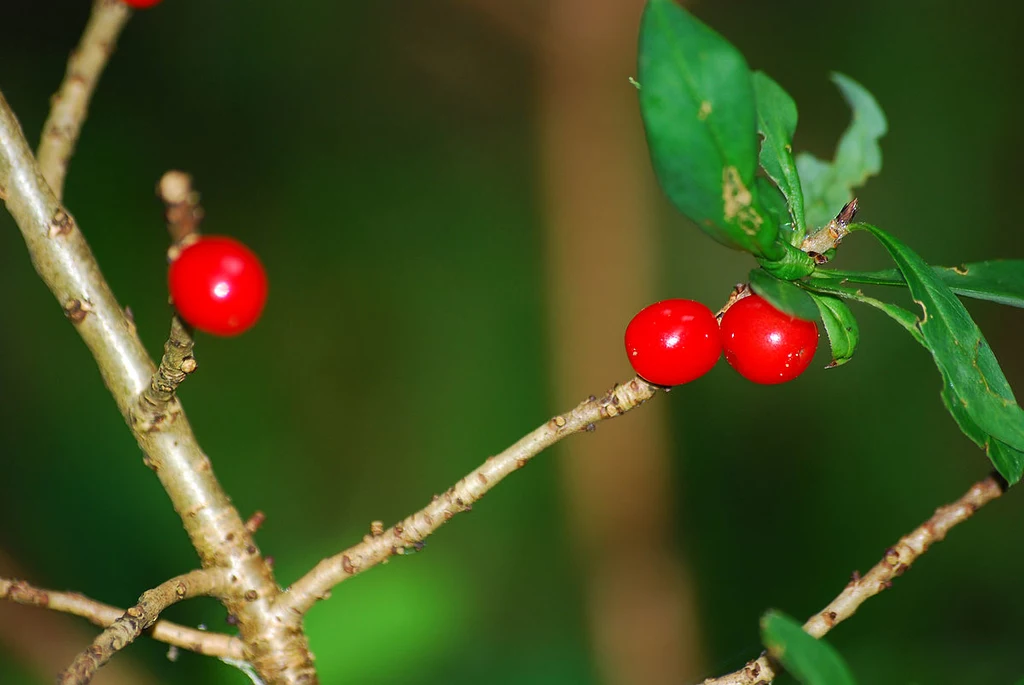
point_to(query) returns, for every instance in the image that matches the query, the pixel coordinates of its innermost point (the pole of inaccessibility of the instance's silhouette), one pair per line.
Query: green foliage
(697, 102)
(783, 295)
(1000, 280)
(829, 185)
(904, 318)
(809, 660)
(842, 329)
(794, 264)
(701, 104)
(974, 388)
(776, 122)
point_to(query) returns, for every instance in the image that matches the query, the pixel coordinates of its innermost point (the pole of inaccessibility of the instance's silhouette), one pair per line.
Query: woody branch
(896, 561)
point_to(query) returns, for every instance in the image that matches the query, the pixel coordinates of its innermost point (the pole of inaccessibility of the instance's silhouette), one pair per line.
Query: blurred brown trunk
(601, 269)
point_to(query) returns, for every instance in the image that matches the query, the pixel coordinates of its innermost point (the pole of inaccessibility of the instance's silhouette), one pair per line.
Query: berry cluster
(677, 341)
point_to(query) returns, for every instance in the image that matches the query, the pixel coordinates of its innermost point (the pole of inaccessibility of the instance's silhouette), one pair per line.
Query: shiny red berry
(141, 4)
(765, 345)
(218, 285)
(673, 342)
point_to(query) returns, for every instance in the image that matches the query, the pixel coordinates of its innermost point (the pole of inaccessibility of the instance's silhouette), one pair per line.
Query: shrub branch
(71, 101)
(128, 626)
(66, 264)
(409, 534)
(896, 561)
(103, 615)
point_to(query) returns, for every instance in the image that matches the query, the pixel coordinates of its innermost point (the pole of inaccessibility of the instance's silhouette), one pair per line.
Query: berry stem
(71, 101)
(182, 209)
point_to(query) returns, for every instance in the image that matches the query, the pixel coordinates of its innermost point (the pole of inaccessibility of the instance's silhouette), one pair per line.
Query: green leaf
(997, 451)
(697, 103)
(773, 202)
(829, 185)
(1000, 280)
(835, 287)
(776, 122)
(969, 368)
(794, 264)
(842, 329)
(783, 295)
(809, 660)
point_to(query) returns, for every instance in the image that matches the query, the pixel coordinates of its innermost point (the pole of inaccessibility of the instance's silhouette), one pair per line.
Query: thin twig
(71, 101)
(255, 522)
(157, 402)
(182, 209)
(123, 631)
(896, 561)
(66, 264)
(103, 615)
(410, 533)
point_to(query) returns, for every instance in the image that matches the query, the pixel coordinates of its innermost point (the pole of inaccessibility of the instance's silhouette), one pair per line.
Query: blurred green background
(384, 160)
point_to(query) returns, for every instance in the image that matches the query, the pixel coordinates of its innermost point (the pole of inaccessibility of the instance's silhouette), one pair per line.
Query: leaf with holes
(697, 104)
(828, 186)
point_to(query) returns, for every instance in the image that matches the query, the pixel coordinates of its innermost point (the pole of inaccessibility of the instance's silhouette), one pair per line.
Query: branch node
(76, 310)
(255, 522)
(61, 224)
(138, 618)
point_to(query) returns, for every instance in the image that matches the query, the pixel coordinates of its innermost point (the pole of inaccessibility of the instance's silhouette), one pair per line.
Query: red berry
(218, 285)
(141, 4)
(765, 345)
(673, 342)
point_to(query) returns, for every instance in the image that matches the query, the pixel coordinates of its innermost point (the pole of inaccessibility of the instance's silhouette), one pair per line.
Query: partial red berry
(766, 345)
(218, 285)
(141, 4)
(673, 342)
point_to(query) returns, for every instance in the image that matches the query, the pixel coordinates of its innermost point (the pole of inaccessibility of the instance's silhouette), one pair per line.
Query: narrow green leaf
(898, 314)
(697, 103)
(773, 202)
(963, 356)
(776, 122)
(842, 329)
(809, 660)
(783, 295)
(1000, 280)
(829, 185)
(997, 451)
